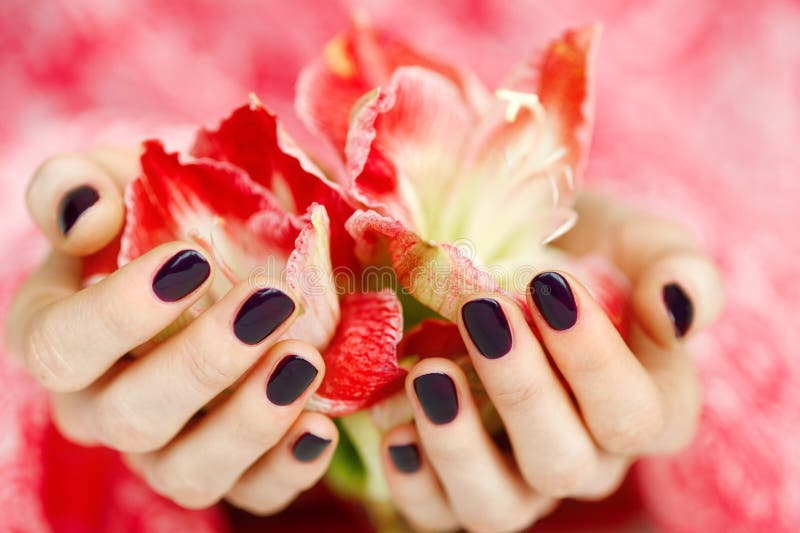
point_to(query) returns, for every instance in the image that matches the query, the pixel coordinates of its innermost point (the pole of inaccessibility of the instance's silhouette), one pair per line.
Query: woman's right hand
(256, 450)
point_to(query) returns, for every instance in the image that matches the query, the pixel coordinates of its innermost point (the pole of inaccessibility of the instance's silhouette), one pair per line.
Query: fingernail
(261, 314)
(290, 379)
(405, 457)
(553, 297)
(487, 327)
(74, 203)
(679, 307)
(437, 396)
(180, 276)
(308, 447)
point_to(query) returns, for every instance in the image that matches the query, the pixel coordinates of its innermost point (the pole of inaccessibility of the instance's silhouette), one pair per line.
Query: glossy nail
(180, 276)
(308, 447)
(437, 396)
(679, 307)
(487, 327)
(290, 379)
(405, 457)
(552, 295)
(74, 203)
(261, 314)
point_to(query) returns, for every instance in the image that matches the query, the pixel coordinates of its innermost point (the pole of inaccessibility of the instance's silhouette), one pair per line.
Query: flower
(249, 196)
(459, 190)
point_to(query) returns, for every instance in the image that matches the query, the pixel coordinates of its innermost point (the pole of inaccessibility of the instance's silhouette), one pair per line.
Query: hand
(630, 399)
(258, 451)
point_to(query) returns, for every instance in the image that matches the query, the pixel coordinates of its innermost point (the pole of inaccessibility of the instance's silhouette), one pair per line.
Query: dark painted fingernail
(487, 327)
(290, 379)
(437, 396)
(308, 447)
(261, 314)
(405, 457)
(679, 307)
(74, 203)
(553, 297)
(180, 276)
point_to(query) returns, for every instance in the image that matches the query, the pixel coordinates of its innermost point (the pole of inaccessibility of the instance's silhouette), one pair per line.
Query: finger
(415, 490)
(204, 462)
(150, 402)
(554, 452)
(485, 492)
(296, 464)
(76, 204)
(674, 373)
(618, 399)
(121, 163)
(677, 289)
(677, 295)
(69, 342)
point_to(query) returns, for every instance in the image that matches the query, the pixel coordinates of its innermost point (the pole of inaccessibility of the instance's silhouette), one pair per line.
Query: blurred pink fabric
(698, 117)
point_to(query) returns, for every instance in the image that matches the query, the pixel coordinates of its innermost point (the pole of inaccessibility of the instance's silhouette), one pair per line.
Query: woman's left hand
(573, 438)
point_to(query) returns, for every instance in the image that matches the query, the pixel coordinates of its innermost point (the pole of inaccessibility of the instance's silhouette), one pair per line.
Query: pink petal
(211, 203)
(406, 144)
(309, 275)
(438, 275)
(252, 139)
(361, 361)
(353, 64)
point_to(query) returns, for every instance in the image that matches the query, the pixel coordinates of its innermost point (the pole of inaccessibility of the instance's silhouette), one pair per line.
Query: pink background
(698, 116)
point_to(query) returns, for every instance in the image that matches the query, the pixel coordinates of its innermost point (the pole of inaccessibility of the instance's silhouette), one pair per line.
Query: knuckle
(209, 371)
(44, 357)
(563, 476)
(520, 396)
(117, 427)
(184, 490)
(633, 431)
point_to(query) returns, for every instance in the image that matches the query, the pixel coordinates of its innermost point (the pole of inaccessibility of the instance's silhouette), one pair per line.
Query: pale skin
(633, 398)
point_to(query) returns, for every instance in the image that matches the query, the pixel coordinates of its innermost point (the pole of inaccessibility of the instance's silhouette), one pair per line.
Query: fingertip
(678, 296)
(75, 203)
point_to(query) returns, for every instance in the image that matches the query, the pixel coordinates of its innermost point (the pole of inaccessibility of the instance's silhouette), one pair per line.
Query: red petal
(432, 337)
(361, 361)
(102, 263)
(208, 202)
(251, 138)
(353, 64)
(438, 275)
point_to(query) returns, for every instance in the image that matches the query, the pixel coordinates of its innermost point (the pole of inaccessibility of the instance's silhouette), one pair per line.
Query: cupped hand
(577, 437)
(255, 447)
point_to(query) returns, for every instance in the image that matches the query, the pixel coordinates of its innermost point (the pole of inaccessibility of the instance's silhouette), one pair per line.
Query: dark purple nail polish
(405, 457)
(180, 276)
(74, 203)
(261, 314)
(290, 379)
(679, 307)
(308, 447)
(553, 297)
(487, 327)
(437, 396)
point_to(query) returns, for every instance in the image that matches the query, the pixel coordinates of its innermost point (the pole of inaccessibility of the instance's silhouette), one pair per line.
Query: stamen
(554, 186)
(517, 100)
(570, 178)
(211, 247)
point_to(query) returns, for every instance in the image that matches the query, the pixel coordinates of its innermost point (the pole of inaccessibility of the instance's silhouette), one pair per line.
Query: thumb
(76, 200)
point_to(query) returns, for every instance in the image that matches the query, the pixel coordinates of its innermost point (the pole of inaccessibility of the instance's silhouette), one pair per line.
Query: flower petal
(101, 263)
(353, 64)
(252, 139)
(361, 361)
(432, 337)
(405, 146)
(309, 275)
(438, 275)
(207, 202)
